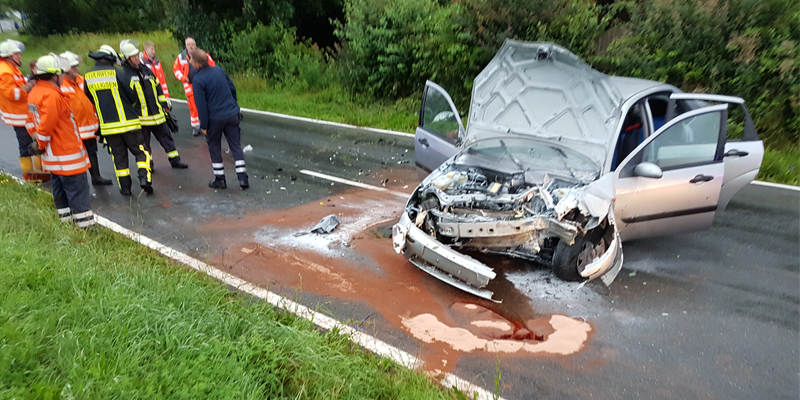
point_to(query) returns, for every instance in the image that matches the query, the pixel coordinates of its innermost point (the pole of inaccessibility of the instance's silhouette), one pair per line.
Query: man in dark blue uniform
(215, 97)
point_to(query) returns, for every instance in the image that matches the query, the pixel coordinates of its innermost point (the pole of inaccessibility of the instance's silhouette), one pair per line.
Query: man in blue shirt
(215, 98)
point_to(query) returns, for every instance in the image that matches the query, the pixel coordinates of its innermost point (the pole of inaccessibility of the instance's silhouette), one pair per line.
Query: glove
(172, 124)
(102, 140)
(34, 147)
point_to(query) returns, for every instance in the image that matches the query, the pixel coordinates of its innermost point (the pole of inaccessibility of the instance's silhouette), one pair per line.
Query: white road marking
(320, 121)
(776, 185)
(323, 321)
(354, 183)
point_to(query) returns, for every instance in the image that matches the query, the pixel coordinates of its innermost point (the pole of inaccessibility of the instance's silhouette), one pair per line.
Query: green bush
(274, 52)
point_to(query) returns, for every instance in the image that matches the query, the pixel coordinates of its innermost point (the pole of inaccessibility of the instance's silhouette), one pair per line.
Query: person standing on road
(219, 113)
(150, 104)
(184, 71)
(14, 88)
(85, 116)
(119, 124)
(59, 142)
(148, 59)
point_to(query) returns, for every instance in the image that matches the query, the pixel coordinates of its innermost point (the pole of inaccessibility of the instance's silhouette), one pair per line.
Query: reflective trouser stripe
(146, 164)
(63, 214)
(239, 163)
(240, 170)
(173, 154)
(123, 172)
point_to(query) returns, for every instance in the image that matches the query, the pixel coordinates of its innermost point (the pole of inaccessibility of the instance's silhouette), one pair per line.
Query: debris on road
(326, 225)
(247, 148)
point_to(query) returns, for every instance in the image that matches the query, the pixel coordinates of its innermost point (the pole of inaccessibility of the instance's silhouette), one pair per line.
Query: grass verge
(94, 315)
(331, 104)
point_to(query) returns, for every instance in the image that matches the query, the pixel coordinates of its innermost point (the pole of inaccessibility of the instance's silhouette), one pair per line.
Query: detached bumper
(440, 261)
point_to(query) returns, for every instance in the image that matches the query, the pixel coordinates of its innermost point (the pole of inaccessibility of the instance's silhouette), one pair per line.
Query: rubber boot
(177, 164)
(94, 172)
(125, 185)
(145, 185)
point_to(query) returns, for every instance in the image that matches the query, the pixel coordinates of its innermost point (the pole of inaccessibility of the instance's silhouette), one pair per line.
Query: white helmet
(129, 48)
(73, 58)
(52, 64)
(10, 47)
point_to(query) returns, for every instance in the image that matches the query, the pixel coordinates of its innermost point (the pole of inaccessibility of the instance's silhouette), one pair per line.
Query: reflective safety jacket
(56, 131)
(82, 108)
(158, 70)
(150, 100)
(112, 99)
(13, 100)
(183, 69)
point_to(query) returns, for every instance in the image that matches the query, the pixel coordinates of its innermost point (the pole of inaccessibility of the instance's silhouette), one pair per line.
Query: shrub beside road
(95, 315)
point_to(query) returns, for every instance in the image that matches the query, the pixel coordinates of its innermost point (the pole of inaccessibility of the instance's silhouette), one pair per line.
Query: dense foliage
(386, 49)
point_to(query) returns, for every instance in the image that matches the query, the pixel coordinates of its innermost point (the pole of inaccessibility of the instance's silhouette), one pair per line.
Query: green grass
(331, 104)
(93, 315)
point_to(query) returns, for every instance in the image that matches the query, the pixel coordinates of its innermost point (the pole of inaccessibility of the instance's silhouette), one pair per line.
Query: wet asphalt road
(708, 315)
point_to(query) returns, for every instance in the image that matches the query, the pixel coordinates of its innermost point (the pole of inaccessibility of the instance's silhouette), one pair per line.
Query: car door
(440, 130)
(742, 157)
(671, 182)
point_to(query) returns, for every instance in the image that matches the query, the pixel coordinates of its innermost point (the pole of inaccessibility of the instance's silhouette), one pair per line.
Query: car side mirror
(648, 170)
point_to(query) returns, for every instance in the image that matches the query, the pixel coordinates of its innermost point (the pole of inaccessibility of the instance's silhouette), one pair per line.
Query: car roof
(628, 87)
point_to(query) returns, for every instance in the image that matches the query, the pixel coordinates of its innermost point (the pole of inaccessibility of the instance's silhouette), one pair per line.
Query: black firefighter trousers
(230, 128)
(164, 137)
(120, 144)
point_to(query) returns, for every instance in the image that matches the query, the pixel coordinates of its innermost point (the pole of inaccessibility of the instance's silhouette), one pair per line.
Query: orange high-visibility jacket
(13, 101)
(158, 70)
(56, 131)
(181, 69)
(82, 108)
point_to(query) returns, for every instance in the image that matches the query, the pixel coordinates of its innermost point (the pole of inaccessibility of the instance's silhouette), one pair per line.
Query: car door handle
(701, 178)
(737, 153)
(423, 142)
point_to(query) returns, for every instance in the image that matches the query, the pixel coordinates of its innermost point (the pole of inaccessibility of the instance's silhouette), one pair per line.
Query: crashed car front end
(525, 213)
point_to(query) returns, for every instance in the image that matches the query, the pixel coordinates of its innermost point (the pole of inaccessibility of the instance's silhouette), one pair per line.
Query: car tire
(567, 259)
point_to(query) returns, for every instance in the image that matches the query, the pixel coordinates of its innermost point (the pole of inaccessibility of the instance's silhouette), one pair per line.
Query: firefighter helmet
(52, 64)
(11, 47)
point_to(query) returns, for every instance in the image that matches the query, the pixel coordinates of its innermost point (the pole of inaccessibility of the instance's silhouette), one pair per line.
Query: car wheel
(569, 261)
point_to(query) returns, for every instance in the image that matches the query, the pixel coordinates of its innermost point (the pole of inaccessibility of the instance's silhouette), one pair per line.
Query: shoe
(145, 185)
(179, 165)
(243, 183)
(196, 132)
(125, 186)
(218, 184)
(94, 172)
(100, 181)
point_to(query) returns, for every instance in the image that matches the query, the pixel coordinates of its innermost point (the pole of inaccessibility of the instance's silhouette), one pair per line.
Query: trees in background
(386, 49)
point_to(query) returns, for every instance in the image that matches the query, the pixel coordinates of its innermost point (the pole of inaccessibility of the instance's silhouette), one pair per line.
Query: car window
(438, 116)
(689, 142)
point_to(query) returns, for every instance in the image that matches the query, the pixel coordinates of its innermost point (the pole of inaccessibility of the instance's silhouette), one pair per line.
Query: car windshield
(534, 155)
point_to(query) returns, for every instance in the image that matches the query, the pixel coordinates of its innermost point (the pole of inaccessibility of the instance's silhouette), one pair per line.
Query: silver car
(560, 163)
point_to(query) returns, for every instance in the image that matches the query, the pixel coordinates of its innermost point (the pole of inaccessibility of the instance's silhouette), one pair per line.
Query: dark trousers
(161, 132)
(91, 148)
(230, 128)
(71, 195)
(24, 139)
(120, 144)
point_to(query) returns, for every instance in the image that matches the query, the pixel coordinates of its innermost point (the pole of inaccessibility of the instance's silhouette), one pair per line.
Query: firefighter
(150, 104)
(148, 59)
(183, 70)
(14, 88)
(85, 116)
(59, 143)
(119, 124)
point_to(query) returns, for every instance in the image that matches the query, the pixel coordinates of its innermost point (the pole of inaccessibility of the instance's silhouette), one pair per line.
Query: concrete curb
(409, 135)
(325, 322)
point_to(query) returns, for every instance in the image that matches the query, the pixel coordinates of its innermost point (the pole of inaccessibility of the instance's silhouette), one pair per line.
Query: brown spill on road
(271, 248)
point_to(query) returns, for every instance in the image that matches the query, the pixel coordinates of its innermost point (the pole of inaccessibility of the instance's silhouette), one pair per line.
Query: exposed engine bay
(531, 215)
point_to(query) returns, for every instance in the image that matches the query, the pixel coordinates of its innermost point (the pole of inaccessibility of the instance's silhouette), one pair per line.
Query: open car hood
(545, 91)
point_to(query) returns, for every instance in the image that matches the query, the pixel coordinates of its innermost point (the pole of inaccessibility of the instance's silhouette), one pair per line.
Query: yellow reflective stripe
(153, 120)
(146, 163)
(122, 172)
(173, 154)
